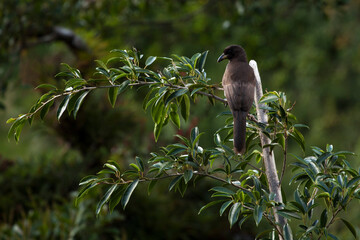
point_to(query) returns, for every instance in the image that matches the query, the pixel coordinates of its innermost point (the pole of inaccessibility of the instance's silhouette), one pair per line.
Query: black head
(233, 52)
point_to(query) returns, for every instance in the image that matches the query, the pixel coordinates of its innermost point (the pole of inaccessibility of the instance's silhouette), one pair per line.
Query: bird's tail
(239, 131)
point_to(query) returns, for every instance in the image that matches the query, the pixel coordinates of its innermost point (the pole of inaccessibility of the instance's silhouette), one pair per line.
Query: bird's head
(233, 52)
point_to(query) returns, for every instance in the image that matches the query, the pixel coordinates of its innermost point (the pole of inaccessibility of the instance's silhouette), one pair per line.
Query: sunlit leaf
(287, 232)
(128, 192)
(116, 197)
(150, 60)
(78, 103)
(225, 206)
(234, 213)
(105, 198)
(62, 106)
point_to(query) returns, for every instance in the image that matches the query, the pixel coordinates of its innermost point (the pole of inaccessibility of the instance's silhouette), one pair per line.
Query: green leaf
(105, 198)
(209, 205)
(103, 71)
(157, 130)
(123, 86)
(18, 129)
(188, 174)
(234, 213)
(195, 57)
(243, 219)
(75, 72)
(112, 95)
(196, 140)
(101, 64)
(323, 218)
(181, 187)
(146, 99)
(140, 163)
(268, 98)
(115, 164)
(116, 197)
(119, 76)
(175, 94)
(62, 106)
(129, 190)
(299, 138)
(174, 182)
(194, 134)
(195, 91)
(78, 103)
(323, 157)
(135, 166)
(223, 190)
(185, 107)
(332, 236)
(174, 116)
(200, 64)
(353, 181)
(11, 120)
(157, 111)
(184, 139)
(225, 206)
(350, 227)
(287, 232)
(74, 83)
(45, 109)
(217, 139)
(84, 191)
(72, 101)
(298, 125)
(289, 214)
(263, 233)
(88, 179)
(258, 211)
(46, 86)
(323, 195)
(300, 201)
(150, 60)
(151, 186)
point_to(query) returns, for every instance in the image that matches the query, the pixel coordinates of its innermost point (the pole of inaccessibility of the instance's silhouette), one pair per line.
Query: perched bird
(239, 85)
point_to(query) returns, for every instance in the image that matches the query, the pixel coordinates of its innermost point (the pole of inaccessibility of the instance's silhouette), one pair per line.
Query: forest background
(308, 49)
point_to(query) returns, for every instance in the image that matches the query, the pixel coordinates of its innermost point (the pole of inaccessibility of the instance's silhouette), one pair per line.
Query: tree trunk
(269, 159)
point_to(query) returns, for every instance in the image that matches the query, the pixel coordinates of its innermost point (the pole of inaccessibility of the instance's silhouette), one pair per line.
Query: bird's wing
(239, 88)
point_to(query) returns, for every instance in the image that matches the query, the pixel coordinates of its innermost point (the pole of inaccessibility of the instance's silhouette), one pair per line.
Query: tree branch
(268, 156)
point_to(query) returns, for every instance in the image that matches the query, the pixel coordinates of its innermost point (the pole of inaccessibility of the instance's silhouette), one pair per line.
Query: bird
(239, 85)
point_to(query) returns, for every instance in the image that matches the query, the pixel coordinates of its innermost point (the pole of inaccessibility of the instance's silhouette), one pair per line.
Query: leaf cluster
(324, 182)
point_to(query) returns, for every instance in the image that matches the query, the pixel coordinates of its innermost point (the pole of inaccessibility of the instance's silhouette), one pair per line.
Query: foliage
(324, 183)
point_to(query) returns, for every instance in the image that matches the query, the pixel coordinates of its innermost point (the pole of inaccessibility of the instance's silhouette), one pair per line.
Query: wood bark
(268, 156)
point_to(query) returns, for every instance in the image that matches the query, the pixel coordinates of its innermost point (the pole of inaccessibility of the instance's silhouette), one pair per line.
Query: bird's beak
(222, 57)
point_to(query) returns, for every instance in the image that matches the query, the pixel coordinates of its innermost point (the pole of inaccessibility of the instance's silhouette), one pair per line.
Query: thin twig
(285, 155)
(146, 179)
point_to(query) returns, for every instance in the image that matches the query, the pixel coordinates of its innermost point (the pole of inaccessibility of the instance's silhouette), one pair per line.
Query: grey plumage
(239, 84)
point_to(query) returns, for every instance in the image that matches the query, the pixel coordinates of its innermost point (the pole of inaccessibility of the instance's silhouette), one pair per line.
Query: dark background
(308, 49)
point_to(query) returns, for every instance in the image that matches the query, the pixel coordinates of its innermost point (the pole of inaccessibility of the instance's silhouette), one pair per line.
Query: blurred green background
(308, 49)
